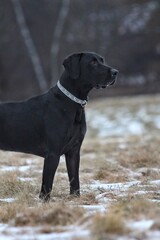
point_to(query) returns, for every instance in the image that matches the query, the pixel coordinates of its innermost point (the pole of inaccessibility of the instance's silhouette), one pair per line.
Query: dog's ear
(72, 65)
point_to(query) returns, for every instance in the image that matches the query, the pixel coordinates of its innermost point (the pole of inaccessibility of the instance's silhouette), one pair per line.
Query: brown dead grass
(140, 157)
(19, 214)
(115, 219)
(8, 212)
(17, 159)
(12, 187)
(105, 174)
(150, 173)
(9, 184)
(136, 207)
(96, 146)
(109, 223)
(87, 199)
(50, 214)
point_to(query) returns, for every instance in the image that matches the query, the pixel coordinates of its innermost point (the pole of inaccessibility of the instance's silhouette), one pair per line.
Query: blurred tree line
(36, 35)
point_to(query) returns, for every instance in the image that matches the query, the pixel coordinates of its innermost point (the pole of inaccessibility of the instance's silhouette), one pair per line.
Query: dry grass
(136, 208)
(112, 163)
(96, 146)
(87, 199)
(11, 186)
(150, 173)
(8, 212)
(17, 159)
(141, 156)
(110, 177)
(44, 214)
(114, 221)
(109, 223)
(52, 214)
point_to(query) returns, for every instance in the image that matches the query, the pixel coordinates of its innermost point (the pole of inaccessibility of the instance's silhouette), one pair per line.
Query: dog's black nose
(114, 73)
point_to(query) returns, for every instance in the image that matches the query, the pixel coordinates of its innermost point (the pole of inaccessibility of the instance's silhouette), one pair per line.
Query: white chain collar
(71, 96)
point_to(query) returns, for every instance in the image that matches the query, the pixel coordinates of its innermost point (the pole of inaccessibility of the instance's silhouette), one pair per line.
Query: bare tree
(56, 38)
(33, 54)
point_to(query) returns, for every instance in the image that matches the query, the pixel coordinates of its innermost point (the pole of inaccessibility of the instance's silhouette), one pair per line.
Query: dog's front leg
(72, 163)
(50, 165)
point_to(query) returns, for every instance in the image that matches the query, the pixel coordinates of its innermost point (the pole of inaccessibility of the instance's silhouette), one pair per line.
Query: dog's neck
(70, 95)
(75, 86)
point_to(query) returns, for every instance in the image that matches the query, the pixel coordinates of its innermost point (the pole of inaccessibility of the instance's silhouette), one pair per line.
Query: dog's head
(91, 69)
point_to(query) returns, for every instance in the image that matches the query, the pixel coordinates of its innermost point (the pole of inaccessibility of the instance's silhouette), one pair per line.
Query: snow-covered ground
(117, 164)
(123, 120)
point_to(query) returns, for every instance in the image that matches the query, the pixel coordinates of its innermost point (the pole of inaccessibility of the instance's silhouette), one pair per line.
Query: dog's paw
(44, 197)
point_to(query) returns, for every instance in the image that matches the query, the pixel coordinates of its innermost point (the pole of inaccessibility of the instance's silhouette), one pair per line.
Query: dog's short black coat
(51, 124)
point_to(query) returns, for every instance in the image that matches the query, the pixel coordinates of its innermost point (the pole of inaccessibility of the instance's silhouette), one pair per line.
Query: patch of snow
(8, 200)
(141, 225)
(24, 168)
(153, 235)
(25, 179)
(123, 121)
(135, 128)
(29, 161)
(94, 208)
(112, 186)
(156, 121)
(32, 233)
(15, 168)
(122, 145)
(155, 182)
(90, 156)
(102, 198)
(155, 200)
(76, 233)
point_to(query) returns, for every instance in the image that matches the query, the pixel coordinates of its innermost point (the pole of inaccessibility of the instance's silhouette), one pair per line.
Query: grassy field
(119, 173)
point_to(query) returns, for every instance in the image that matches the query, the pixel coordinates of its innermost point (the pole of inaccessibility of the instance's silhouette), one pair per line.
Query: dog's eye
(94, 62)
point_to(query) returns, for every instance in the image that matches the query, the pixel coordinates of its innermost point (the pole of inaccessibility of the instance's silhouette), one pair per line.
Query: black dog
(53, 124)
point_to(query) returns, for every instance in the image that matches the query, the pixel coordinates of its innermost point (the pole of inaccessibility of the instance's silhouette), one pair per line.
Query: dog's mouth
(112, 82)
(102, 86)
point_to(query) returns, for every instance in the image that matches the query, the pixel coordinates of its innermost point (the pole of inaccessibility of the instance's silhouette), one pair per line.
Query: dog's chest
(76, 131)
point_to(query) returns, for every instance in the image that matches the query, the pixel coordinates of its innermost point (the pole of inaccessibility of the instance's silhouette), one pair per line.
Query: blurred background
(36, 35)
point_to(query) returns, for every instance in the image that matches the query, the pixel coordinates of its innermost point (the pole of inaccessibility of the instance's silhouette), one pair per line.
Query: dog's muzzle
(114, 74)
